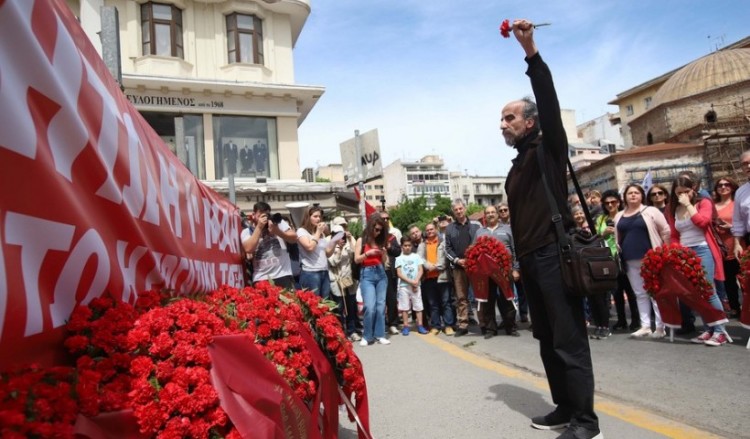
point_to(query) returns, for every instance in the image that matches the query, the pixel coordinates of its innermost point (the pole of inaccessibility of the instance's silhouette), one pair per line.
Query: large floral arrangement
(152, 359)
(744, 277)
(672, 271)
(682, 259)
(488, 259)
(38, 402)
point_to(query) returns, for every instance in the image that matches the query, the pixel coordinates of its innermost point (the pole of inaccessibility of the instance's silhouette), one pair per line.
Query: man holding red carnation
(558, 317)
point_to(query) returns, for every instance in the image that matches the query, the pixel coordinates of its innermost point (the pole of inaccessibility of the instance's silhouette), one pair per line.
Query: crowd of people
(419, 276)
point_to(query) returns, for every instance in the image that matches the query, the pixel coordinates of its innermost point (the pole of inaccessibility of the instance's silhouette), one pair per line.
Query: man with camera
(267, 245)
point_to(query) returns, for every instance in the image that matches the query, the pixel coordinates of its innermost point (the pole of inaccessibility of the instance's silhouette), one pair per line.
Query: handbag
(714, 228)
(587, 264)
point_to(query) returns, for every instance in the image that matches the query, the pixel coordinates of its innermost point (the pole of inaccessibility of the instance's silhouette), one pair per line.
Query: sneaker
(393, 330)
(461, 332)
(421, 330)
(355, 337)
(594, 333)
(718, 339)
(603, 333)
(405, 331)
(364, 342)
(659, 333)
(641, 332)
(434, 331)
(553, 421)
(704, 337)
(449, 331)
(580, 432)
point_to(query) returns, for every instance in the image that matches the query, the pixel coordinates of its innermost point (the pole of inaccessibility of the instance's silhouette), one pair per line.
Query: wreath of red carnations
(489, 246)
(683, 260)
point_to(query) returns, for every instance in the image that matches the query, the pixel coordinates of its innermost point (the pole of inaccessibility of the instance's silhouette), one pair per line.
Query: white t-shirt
(315, 260)
(271, 258)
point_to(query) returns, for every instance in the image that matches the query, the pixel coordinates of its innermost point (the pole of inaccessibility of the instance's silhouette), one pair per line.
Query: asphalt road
(445, 387)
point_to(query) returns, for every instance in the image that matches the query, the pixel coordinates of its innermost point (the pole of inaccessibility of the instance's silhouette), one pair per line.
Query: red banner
(91, 200)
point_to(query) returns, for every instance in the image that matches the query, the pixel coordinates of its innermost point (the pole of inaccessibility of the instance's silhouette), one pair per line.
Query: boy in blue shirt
(409, 269)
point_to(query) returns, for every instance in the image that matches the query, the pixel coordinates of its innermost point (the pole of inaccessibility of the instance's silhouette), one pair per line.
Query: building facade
(482, 190)
(412, 179)
(215, 80)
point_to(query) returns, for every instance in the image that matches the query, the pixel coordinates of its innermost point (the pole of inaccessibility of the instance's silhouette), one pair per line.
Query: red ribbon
(675, 284)
(256, 398)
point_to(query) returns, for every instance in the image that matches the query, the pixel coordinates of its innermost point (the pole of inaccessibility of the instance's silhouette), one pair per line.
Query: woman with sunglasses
(638, 229)
(657, 197)
(690, 216)
(724, 190)
(370, 252)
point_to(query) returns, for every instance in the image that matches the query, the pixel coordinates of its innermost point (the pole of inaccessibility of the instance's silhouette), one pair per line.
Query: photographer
(267, 245)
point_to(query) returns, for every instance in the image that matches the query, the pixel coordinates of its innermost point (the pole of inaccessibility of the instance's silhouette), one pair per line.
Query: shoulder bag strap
(584, 206)
(562, 237)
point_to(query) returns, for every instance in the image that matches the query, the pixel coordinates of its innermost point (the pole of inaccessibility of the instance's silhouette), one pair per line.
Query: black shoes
(685, 330)
(489, 334)
(460, 332)
(579, 432)
(553, 421)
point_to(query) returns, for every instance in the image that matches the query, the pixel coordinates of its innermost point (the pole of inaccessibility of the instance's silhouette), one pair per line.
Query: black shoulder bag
(587, 264)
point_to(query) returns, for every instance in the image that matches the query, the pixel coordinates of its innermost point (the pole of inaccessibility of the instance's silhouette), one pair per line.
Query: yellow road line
(640, 418)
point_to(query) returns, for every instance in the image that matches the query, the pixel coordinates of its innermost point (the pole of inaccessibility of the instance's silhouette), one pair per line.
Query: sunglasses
(657, 193)
(611, 202)
(503, 210)
(378, 229)
(723, 185)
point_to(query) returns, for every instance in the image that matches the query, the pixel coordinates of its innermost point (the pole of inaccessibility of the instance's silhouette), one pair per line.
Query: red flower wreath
(488, 258)
(744, 277)
(683, 260)
(672, 271)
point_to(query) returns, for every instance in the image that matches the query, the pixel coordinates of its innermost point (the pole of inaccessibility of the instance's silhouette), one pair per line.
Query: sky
(432, 75)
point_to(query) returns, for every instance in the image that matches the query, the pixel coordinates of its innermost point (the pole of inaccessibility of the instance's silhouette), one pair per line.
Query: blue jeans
(317, 281)
(439, 296)
(707, 261)
(373, 284)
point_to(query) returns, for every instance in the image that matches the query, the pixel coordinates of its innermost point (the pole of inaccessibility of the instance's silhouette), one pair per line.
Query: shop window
(161, 30)
(183, 135)
(245, 146)
(244, 39)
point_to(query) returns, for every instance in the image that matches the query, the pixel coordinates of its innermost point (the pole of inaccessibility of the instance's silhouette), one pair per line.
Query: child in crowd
(409, 269)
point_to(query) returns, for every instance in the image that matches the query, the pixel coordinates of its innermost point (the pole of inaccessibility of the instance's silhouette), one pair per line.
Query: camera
(610, 223)
(276, 218)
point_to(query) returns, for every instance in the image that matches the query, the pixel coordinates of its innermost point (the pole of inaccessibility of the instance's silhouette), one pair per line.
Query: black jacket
(530, 216)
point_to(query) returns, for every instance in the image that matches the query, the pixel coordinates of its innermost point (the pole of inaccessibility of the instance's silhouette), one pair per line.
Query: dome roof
(713, 71)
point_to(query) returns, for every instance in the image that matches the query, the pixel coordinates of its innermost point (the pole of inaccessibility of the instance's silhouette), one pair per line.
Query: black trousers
(560, 327)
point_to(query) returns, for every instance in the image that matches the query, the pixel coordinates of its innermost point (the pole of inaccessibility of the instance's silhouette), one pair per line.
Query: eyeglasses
(723, 185)
(503, 210)
(745, 164)
(657, 193)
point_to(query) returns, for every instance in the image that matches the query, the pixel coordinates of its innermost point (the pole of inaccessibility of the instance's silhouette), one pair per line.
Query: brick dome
(720, 69)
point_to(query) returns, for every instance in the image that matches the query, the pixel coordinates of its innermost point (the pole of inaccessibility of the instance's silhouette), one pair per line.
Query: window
(647, 102)
(161, 30)
(244, 39)
(629, 110)
(245, 147)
